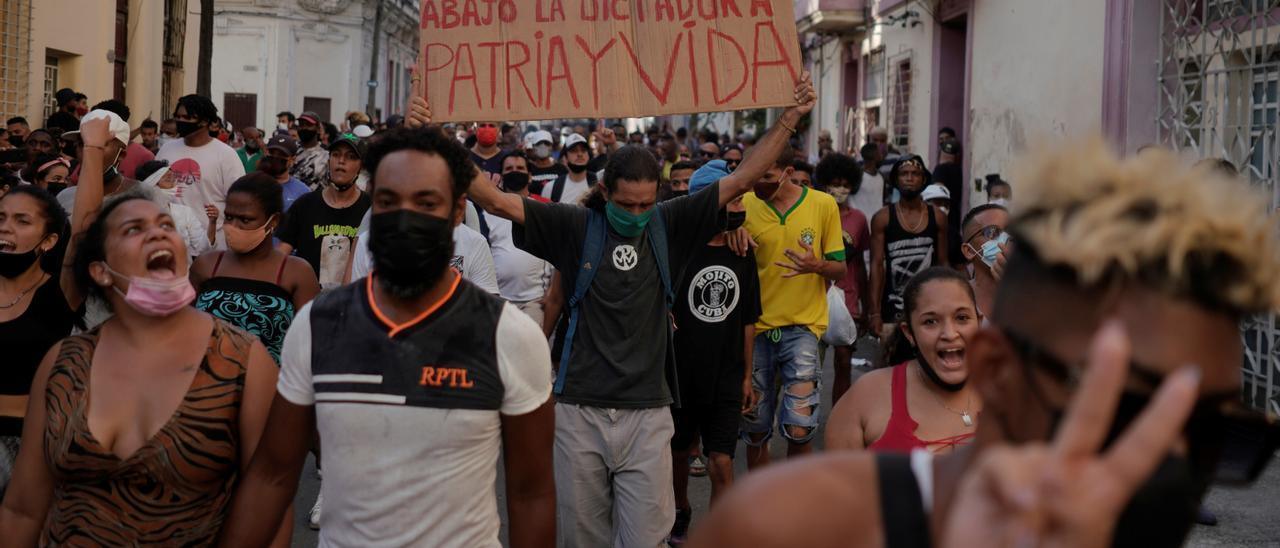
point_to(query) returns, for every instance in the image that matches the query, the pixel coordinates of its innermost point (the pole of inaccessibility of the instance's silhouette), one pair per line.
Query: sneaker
(680, 531)
(697, 466)
(314, 520)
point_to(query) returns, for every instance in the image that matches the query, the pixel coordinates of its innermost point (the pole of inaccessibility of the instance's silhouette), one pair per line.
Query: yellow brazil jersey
(801, 300)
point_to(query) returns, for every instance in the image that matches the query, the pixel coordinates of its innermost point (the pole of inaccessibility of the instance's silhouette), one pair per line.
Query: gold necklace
(917, 227)
(968, 403)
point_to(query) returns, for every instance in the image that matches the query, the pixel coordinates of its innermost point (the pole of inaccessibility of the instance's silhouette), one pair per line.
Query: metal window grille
(1218, 71)
(874, 83)
(900, 102)
(50, 85)
(15, 56)
(175, 37)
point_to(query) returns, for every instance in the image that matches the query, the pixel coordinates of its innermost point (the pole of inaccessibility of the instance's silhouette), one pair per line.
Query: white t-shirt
(521, 276)
(870, 197)
(401, 475)
(572, 191)
(471, 257)
(208, 172)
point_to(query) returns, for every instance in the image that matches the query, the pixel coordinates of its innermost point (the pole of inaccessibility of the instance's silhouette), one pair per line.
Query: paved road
(1249, 517)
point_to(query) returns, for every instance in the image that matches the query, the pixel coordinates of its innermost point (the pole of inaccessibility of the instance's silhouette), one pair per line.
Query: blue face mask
(991, 249)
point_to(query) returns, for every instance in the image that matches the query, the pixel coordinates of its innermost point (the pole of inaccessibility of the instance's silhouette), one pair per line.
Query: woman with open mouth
(138, 428)
(37, 305)
(923, 402)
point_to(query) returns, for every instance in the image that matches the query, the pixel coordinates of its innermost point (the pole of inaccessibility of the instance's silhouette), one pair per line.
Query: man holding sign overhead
(618, 256)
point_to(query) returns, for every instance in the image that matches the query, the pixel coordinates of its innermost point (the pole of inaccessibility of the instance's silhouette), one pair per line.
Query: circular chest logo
(624, 257)
(713, 294)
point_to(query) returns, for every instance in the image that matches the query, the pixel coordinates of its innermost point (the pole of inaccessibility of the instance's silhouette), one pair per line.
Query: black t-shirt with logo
(719, 296)
(323, 235)
(619, 357)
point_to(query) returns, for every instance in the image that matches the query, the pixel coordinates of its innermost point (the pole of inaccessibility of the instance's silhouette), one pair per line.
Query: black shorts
(716, 423)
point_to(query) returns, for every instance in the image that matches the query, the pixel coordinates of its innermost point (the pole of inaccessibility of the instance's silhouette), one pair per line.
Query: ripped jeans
(790, 353)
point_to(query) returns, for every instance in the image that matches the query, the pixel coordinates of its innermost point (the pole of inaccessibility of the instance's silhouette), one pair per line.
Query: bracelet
(786, 127)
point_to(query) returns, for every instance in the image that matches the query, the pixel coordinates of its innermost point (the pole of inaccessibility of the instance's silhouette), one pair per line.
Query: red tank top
(900, 433)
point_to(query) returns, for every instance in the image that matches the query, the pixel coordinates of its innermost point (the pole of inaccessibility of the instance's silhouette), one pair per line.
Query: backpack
(557, 188)
(592, 254)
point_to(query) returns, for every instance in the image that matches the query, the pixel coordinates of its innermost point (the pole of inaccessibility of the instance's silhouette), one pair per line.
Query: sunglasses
(706, 154)
(989, 232)
(1242, 440)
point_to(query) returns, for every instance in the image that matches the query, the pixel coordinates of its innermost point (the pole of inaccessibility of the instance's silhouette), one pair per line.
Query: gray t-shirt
(620, 350)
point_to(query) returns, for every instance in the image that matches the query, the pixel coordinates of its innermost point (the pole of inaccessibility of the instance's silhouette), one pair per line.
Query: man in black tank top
(415, 380)
(1094, 431)
(906, 238)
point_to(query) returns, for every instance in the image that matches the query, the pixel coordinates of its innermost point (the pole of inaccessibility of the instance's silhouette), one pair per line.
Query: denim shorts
(784, 357)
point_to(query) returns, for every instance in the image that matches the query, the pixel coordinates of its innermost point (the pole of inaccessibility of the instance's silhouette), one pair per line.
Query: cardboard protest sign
(547, 59)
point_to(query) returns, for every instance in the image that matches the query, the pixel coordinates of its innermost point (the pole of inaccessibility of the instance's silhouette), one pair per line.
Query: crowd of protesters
(610, 312)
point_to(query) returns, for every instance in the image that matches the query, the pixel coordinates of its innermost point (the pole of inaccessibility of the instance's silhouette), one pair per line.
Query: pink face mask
(157, 298)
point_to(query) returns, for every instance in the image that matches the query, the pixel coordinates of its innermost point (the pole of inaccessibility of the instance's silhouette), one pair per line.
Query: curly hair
(199, 107)
(426, 139)
(1148, 220)
(838, 166)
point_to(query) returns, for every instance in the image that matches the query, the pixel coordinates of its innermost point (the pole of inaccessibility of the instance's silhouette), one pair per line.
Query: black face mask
(410, 250)
(55, 188)
(735, 220)
(14, 264)
(342, 187)
(213, 134)
(515, 181)
(933, 375)
(272, 165)
(679, 193)
(577, 168)
(307, 135)
(186, 129)
(17, 141)
(251, 146)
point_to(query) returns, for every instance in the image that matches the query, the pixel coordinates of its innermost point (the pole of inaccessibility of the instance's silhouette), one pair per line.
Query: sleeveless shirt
(906, 254)
(262, 308)
(900, 432)
(174, 490)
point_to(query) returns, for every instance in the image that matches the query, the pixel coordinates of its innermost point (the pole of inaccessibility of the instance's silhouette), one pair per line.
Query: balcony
(829, 16)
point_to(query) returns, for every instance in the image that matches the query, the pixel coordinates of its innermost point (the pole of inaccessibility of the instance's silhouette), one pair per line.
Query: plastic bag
(840, 328)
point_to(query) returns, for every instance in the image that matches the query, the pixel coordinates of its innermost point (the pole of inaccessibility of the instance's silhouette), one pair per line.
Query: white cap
(574, 139)
(537, 137)
(362, 131)
(934, 192)
(118, 127)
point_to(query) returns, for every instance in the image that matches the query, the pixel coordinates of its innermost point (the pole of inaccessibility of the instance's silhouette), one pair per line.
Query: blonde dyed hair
(1152, 220)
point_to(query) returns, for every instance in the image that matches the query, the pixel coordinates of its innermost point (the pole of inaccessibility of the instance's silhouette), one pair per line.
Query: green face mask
(625, 222)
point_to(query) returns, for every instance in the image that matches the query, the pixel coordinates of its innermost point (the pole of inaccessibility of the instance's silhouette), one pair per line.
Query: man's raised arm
(484, 188)
(760, 157)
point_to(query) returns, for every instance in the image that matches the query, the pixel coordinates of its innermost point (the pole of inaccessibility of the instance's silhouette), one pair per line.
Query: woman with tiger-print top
(137, 430)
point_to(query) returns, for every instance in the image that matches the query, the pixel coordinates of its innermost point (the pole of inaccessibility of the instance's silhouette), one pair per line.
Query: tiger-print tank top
(176, 489)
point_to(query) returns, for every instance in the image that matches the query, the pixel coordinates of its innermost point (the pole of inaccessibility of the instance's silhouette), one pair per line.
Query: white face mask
(999, 201)
(841, 194)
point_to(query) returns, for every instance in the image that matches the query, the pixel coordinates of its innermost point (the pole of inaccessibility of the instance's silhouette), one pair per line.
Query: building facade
(297, 55)
(139, 51)
(1199, 76)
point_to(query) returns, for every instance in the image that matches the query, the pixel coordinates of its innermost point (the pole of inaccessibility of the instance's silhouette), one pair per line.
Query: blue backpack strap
(592, 252)
(657, 229)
